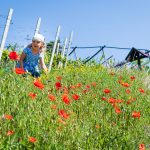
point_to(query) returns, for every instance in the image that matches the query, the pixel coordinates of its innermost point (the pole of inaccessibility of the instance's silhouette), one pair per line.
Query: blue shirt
(31, 61)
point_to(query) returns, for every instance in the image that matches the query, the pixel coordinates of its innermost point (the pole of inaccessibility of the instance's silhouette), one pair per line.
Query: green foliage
(12, 47)
(92, 122)
(5, 56)
(57, 58)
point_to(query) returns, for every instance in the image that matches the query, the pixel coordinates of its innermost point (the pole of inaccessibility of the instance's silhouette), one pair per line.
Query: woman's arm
(22, 57)
(42, 63)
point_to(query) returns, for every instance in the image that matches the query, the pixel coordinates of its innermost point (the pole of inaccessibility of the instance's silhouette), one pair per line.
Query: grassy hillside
(76, 108)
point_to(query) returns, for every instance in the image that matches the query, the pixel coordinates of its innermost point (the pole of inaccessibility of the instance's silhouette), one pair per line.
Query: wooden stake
(38, 26)
(54, 48)
(63, 53)
(68, 49)
(5, 31)
(57, 50)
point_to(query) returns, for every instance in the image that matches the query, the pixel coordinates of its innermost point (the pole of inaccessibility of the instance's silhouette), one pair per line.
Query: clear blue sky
(94, 22)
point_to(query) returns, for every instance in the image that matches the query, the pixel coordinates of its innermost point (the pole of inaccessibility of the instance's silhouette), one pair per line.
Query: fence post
(38, 26)
(63, 53)
(54, 47)
(5, 31)
(68, 49)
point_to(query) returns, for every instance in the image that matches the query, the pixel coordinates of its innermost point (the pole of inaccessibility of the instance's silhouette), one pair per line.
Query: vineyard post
(5, 31)
(57, 50)
(68, 49)
(63, 53)
(38, 26)
(53, 51)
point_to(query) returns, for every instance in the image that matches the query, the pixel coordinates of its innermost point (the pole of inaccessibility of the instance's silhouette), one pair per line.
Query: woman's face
(36, 45)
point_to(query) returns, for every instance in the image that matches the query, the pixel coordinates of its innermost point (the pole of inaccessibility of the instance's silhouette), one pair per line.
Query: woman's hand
(43, 66)
(46, 70)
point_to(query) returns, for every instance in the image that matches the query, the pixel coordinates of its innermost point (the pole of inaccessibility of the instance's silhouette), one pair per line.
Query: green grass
(92, 123)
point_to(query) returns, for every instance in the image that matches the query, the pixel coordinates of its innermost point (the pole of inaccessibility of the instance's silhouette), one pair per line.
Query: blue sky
(110, 22)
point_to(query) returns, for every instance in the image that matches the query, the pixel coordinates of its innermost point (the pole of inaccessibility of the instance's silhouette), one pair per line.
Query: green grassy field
(76, 108)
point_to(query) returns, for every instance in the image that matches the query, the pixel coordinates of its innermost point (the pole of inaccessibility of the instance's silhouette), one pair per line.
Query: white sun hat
(38, 37)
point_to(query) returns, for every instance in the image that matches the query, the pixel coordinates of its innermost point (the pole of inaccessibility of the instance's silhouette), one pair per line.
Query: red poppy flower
(38, 84)
(106, 91)
(85, 91)
(19, 71)
(8, 117)
(103, 98)
(142, 147)
(118, 110)
(32, 95)
(58, 85)
(133, 99)
(63, 114)
(93, 83)
(75, 97)
(136, 114)
(125, 84)
(66, 99)
(141, 90)
(13, 56)
(119, 101)
(79, 85)
(65, 89)
(87, 86)
(10, 132)
(59, 78)
(132, 78)
(51, 97)
(72, 87)
(128, 91)
(112, 100)
(32, 139)
(128, 102)
(54, 106)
